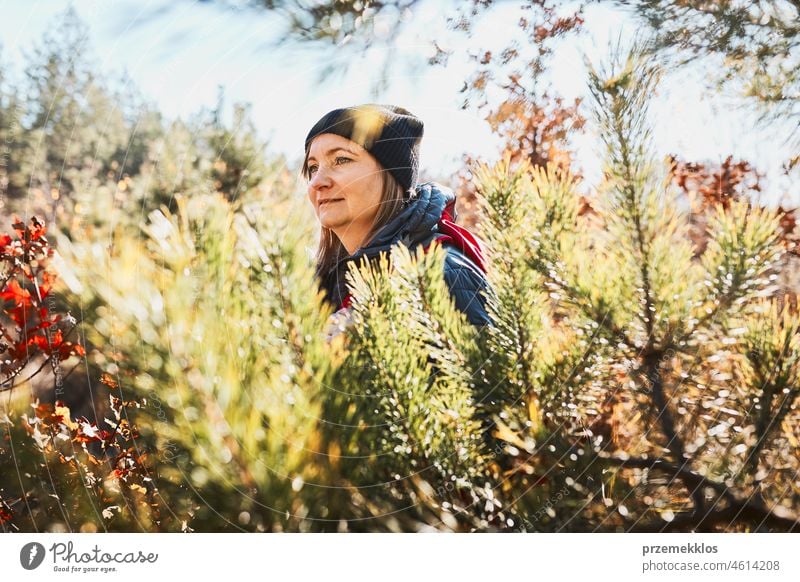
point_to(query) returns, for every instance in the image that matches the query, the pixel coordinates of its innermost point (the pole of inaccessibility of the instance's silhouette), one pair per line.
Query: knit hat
(391, 134)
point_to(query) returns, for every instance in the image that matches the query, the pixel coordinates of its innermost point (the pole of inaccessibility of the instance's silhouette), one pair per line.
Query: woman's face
(345, 185)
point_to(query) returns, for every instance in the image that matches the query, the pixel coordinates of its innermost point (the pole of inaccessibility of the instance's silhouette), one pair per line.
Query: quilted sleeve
(467, 287)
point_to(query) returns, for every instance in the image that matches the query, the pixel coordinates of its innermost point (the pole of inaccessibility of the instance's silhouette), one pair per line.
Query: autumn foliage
(26, 284)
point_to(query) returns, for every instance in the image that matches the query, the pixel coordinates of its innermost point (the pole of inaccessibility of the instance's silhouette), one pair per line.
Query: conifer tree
(408, 391)
(649, 319)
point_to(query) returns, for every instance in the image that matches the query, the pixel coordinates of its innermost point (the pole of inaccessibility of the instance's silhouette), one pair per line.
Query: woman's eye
(338, 161)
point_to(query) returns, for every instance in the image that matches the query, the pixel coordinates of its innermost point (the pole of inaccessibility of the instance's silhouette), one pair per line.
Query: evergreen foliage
(625, 384)
(756, 41)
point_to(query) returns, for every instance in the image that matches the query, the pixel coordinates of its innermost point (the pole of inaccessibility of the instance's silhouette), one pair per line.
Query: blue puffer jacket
(428, 216)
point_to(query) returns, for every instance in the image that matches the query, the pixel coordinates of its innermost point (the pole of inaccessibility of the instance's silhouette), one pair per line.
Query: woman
(361, 164)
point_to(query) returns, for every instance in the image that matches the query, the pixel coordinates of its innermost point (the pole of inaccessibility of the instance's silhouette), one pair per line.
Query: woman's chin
(331, 220)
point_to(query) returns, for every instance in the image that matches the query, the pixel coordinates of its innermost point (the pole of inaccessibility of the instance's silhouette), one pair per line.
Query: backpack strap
(348, 299)
(460, 237)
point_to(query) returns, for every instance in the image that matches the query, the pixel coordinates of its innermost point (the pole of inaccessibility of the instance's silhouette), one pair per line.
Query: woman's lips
(322, 202)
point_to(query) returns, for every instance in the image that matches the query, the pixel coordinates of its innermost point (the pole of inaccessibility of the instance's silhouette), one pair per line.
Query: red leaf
(44, 409)
(84, 438)
(37, 229)
(22, 315)
(15, 293)
(68, 349)
(18, 225)
(19, 352)
(47, 283)
(40, 342)
(5, 515)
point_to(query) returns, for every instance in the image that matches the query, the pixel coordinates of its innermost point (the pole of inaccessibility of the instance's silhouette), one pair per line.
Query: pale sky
(179, 59)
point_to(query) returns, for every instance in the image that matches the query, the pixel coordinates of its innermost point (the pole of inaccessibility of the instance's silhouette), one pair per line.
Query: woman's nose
(319, 179)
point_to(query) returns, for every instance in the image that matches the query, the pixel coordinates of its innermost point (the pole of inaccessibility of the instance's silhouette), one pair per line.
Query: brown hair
(330, 248)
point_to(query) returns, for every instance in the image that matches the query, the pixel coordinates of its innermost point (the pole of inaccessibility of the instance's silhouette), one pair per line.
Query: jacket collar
(414, 224)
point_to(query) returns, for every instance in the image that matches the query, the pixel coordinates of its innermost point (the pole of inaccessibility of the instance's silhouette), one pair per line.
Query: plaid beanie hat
(391, 134)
